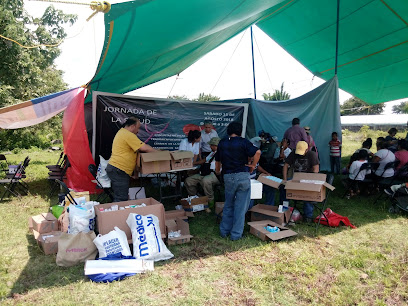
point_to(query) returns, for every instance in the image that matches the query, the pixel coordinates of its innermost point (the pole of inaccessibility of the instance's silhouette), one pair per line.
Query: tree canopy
(401, 108)
(356, 106)
(27, 67)
(278, 95)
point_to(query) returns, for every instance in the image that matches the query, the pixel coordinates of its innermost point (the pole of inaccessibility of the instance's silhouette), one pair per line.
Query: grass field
(337, 266)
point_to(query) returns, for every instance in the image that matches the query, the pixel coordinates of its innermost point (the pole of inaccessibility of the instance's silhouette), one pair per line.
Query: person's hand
(251, 167)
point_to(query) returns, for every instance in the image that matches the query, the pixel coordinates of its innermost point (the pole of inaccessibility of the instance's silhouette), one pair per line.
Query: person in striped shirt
(335, 153)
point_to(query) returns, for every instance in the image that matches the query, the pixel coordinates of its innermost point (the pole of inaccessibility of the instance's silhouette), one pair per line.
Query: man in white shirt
(206, 136)
(207, 181)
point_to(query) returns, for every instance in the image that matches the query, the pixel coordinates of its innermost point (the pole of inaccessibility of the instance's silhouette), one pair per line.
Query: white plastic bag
(146, 237)
(101, 174)
(112, 243)
(81, 218)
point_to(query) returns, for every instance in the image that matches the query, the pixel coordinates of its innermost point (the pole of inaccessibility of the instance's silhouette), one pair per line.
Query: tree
(401, 108)
(356, 106)
(27, 73)
(278, 95)
(206, 97)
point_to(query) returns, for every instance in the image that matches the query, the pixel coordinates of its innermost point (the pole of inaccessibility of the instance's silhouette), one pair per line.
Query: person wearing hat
(300, 160)
(310, 140)
(206, 178)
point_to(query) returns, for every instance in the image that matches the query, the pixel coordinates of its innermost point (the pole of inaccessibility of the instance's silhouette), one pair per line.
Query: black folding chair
(367, 167)
(57, 175)
(107, 192)
(321, 206)
(65, 190)
(11, 184)
(4, 163)
(60, 163)
(399, 177)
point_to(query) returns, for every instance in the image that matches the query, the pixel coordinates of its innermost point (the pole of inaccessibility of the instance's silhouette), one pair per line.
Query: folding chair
(60, 163)
(397, 178)
(107, 192)
(367, 180)
(57, 175)
(65, 190)
(321, 206)
(11, 184)
(4, 163)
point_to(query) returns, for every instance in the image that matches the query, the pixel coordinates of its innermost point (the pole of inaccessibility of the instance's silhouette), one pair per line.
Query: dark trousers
(335, 164)
(119, 183)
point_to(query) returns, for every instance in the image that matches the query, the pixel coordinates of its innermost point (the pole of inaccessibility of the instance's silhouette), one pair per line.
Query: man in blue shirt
(232, 156)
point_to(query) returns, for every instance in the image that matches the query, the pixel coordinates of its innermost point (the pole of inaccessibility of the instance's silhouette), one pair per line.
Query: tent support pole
(337, 37)
(253, 62)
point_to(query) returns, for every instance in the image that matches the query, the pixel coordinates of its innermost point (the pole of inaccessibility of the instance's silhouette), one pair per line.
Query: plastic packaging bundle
(81, 218)
(112, 243)
(146, 237)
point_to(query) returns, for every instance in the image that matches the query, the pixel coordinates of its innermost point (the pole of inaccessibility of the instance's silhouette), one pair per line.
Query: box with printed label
(181, 160)
(307, 187)
(44, 223)
(178, 224)
(256, 190)
(107, 220)
(196, 204)
(258, 229)
(48, 241)
(270, 180)
(262, 212)
(154, 162)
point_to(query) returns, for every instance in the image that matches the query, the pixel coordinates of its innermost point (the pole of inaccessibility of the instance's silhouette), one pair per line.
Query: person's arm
(285, 171)
(262, 170)
(218, 166)
(376, 159)
(252, 165)
(147, 149)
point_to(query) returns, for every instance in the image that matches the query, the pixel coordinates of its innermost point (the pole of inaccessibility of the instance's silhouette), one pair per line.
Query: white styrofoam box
(256, 190)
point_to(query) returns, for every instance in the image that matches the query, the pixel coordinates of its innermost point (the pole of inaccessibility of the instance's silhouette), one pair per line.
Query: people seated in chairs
(402, 153)
(280, 156)
(206, 134)
(356, 175)
(300, 160)
(391, 140)
(383, 157)
(123, 159)
(206, 178)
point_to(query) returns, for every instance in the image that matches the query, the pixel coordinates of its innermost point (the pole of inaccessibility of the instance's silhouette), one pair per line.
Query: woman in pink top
(310, 140)
(402, 153)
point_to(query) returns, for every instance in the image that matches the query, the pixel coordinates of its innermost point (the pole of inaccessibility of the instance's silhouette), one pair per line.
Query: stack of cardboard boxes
(46, 232)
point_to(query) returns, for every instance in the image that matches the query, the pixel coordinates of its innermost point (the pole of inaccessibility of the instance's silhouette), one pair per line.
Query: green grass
(339, 266)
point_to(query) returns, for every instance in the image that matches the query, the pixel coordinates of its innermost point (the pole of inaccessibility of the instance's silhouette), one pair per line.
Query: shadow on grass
(42, 272)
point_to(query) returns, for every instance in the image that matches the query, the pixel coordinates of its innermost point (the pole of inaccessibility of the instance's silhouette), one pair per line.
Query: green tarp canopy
(147, 41)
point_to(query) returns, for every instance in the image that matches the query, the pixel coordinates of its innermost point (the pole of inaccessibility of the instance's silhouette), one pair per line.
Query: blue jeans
(237, 198)
(335, 164)
(119, 182)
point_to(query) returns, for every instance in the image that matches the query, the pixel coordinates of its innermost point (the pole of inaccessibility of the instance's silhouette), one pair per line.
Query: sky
(225, 72)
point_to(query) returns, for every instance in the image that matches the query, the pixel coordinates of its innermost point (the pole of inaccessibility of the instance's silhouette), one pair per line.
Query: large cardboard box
(263, 212)
(275, 182)
(48, 242)
(181, 225)
(197, 204)
(181, 160)
(107, 220)
(307, 187)
(154, 162)
(256, 190)
(44, 223)
(258, 229)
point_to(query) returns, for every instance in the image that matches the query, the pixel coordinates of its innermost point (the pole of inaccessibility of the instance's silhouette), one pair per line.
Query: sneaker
(389, 191)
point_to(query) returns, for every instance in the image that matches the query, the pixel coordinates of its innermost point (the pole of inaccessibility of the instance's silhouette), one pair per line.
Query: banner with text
(164, 122)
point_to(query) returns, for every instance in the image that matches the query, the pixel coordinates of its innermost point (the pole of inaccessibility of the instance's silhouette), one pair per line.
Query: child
(335, 153)
(355, 175)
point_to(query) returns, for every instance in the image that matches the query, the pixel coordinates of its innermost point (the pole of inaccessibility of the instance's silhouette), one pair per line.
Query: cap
(214, 141)
(307, 129)
(274, 138)
(301, 148)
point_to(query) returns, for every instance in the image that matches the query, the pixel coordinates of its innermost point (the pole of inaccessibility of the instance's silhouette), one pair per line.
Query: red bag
(334, 219)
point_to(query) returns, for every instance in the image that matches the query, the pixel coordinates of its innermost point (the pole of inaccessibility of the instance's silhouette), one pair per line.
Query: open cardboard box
(154, 162)
(181, 160)
(107, 220)
(263, 212)
(263, 178)
(258, 229)
(44, 223)
(177, 213)
(197, 204)
(307, 187)
(48, 242)
(175, 225)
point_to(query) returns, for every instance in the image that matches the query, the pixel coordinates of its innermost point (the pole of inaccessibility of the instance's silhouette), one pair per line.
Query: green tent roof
(147, 41)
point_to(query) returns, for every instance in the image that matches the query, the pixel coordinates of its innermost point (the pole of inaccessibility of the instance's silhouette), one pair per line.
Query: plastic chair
(107, 192)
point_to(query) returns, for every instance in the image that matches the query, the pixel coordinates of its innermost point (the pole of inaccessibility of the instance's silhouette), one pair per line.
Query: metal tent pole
(253, 62)
(337, 37)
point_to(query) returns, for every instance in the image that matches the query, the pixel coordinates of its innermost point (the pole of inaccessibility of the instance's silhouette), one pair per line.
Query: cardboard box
(219, 206)
(263, 212)
(258, 229)
(45, 223)
(273, 183)
(197, 204)
(174, 214)
(154, 162)
(30, 224)
(307, 187)
(181, 160)
(256, 190)
(175, 225)
(107, 220)
(80, 194)
(48, 242)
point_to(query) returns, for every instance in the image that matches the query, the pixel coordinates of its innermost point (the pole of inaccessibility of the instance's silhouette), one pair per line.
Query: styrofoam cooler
(256, 190)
